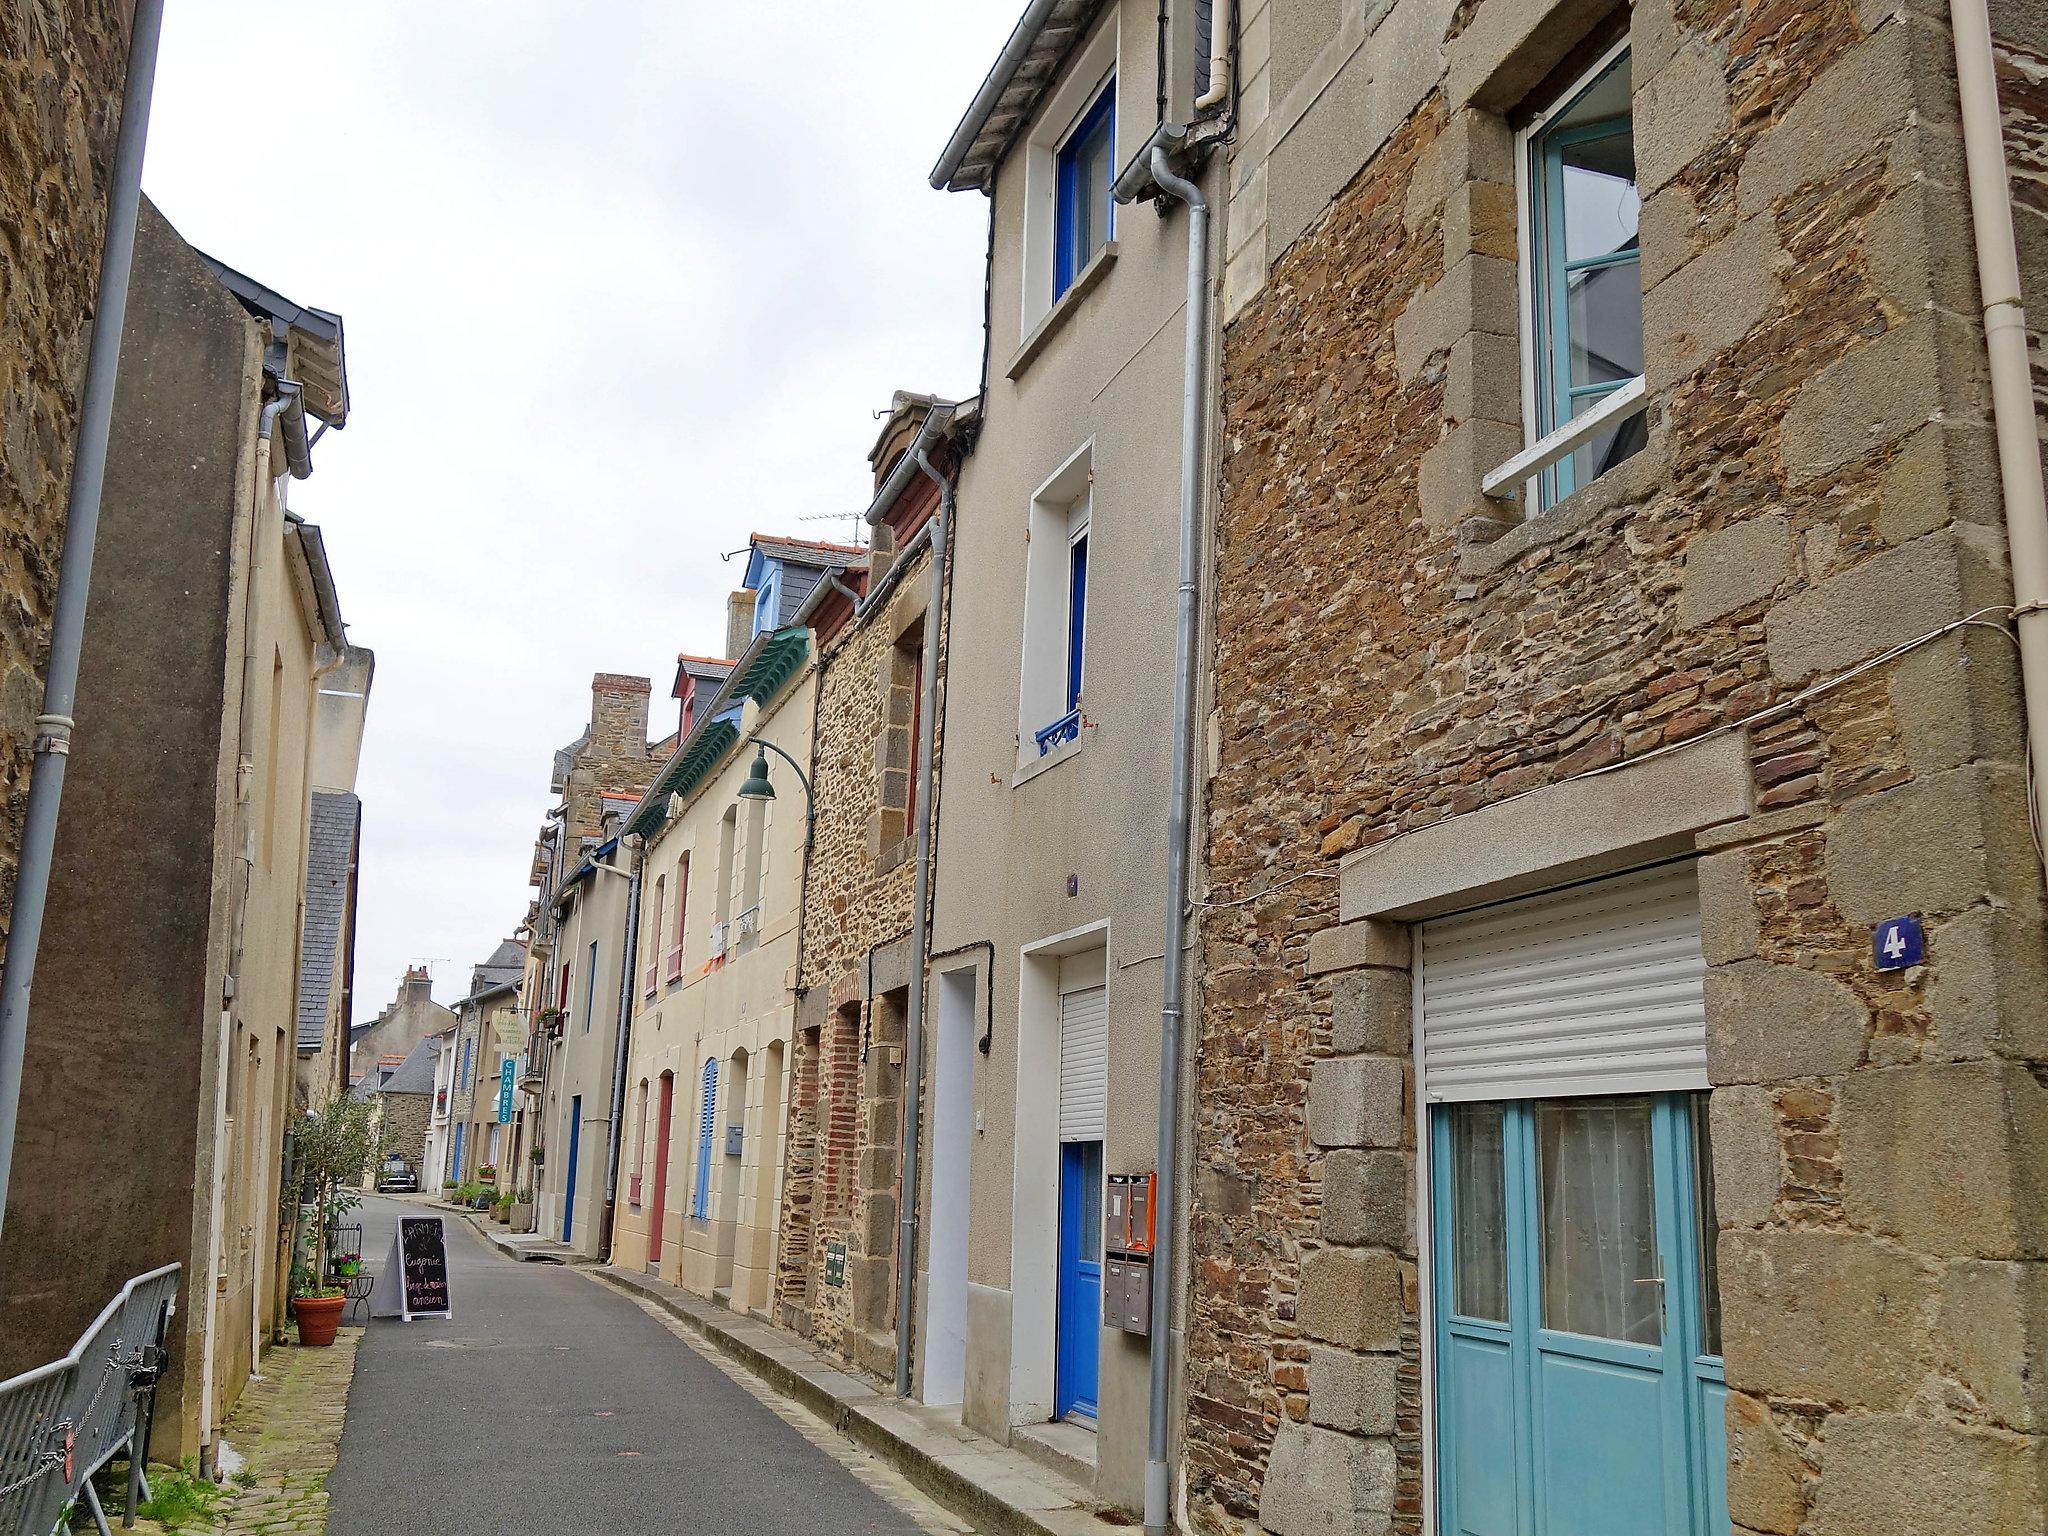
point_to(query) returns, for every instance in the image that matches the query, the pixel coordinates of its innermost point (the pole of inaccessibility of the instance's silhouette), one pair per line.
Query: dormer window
(768, 600)
(1084, 211)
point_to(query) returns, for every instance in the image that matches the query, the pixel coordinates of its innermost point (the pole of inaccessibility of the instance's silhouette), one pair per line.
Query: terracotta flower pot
(318, 1317)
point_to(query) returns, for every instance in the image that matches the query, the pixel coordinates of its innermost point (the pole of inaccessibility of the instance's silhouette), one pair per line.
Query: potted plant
(539, 1154)
(334, 1148)
(522, 1211)
(316, 1308)
(347, 1265)
(487, 1173)
(501, 1208)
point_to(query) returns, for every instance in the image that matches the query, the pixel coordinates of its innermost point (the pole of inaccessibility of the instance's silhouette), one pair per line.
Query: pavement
(549, 1403)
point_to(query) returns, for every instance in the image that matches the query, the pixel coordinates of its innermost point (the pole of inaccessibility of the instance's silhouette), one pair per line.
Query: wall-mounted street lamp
(757, 787)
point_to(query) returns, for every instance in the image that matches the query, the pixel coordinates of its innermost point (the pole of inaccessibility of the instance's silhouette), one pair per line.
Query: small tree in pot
(335, 1147)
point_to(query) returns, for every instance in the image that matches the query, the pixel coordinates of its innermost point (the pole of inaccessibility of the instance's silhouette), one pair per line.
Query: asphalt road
(551, 1403)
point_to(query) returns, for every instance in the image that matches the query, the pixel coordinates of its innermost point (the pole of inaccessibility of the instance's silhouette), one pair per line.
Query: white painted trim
(1632, 399)
(1096, 62)
(1071, 942)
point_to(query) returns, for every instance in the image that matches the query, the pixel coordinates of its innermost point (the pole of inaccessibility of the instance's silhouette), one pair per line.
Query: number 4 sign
(1899, 943)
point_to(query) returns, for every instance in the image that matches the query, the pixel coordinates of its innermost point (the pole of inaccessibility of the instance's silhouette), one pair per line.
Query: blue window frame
(467, 1047)
(700, 1197)
(1085, 214)
(768, 600)
(590, 988)
(1586, 288)
(1077, 615)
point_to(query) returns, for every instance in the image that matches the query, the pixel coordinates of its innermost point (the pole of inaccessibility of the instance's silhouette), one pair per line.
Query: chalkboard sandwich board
(415, 1279)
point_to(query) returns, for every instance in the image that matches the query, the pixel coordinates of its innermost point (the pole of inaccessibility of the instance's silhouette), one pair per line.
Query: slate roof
(416, 1073)
(331, 849)
(506, 965)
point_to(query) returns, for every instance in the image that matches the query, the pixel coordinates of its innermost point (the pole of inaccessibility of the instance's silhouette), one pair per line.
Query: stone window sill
(1032, 767)
(1634, 479)
(1084, 282)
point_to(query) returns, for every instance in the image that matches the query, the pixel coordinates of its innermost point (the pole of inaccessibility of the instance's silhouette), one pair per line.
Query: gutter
(921, 928)
(2012, 394)
(622, 1038)
(1152, 175)
(52, 746)
(1000, 74)
(312, 552)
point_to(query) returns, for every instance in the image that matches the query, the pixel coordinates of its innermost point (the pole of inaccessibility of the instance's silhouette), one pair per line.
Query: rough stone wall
(404, 1128)
(841, 1184)
(62, 66)
(1393, 648)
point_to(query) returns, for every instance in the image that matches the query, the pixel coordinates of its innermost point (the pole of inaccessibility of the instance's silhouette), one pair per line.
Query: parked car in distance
(397, 1177)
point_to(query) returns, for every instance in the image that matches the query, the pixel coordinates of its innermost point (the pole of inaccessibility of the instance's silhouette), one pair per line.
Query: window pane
(1610, 447)
(1604, 314)
(1710, 1229)
(1599, 189)
(1478, 1213)
(1091, 1201)
(1597, 1195)
(1091, 193)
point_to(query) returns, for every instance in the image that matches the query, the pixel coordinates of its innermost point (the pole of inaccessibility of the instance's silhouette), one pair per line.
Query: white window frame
(1522, 473)
(1061, 508)
(1069, 101)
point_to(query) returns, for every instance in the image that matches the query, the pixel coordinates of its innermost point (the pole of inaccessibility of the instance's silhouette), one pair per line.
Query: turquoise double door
(1578, 1375)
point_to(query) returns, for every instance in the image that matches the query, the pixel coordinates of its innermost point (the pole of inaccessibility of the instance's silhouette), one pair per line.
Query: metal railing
(62, 1422)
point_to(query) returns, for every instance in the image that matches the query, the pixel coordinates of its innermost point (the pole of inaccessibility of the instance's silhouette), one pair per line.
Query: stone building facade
(1766, 657)
(62, 70)
(836, 1276)
(410, 1017)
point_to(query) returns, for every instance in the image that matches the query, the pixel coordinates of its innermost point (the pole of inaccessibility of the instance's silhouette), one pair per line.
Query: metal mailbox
(1127, 1249)
(1127, 1295)
(735, 1140)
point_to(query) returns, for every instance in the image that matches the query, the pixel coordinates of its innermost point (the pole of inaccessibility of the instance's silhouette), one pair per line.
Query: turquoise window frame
(1556, 396)
(1704, 1452)
(700, 1195)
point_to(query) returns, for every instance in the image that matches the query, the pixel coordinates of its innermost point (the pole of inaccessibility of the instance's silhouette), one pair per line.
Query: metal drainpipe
(1157, 1482)
(2012, 395)
(74, 577)
(615, 1138)
(913, 1033)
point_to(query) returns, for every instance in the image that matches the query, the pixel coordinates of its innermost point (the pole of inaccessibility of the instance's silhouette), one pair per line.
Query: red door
(660, 1216)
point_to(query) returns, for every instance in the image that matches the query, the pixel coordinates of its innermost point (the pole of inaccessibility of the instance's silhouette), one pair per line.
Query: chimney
(419, 984)
(618, 715)
(739, 621)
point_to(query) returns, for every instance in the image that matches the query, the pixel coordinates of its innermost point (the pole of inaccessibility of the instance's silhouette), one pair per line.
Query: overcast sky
(621, 283)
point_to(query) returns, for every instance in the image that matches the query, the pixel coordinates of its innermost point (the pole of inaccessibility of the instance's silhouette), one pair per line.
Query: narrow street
(466, 1425)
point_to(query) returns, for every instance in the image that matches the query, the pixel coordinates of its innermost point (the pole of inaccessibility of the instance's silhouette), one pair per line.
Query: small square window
(1085, 212)
(1585, 270)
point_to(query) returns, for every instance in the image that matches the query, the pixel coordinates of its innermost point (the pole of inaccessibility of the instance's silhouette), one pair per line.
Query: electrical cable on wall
(1976, 620)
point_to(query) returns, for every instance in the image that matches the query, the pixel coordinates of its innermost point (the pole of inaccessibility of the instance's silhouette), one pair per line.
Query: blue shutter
(700, 1200)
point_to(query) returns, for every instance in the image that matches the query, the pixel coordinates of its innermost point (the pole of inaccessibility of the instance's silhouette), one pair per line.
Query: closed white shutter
(1084, 1064)
(1596, 989)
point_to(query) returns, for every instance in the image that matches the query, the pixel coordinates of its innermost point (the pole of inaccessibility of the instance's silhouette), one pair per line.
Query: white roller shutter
(1596, 989)
(1084, 1064)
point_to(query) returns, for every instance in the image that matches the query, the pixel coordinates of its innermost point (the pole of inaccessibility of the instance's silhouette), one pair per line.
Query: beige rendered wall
(740, 1010)
(1011, 847)
(243, 1303)
(581, 1062)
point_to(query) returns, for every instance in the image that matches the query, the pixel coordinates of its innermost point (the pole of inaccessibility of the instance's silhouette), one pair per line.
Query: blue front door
(1578, 1369)
(1080, 1279)
(569, 1184)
